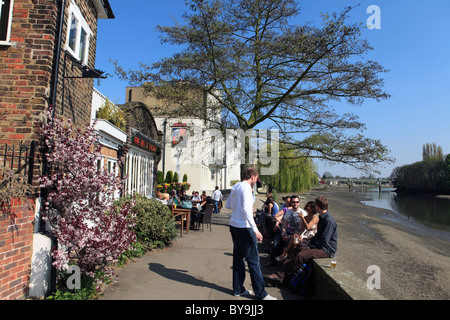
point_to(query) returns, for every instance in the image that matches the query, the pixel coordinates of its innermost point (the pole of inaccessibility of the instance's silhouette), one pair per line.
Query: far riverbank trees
(431, 175)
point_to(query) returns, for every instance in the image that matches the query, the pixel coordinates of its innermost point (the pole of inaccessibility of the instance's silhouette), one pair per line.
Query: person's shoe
(269, 297)
(273, 279)
(246, 293)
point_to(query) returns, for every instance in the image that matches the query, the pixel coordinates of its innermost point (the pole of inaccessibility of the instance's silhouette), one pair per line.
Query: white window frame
(10, 16)
(82, 25)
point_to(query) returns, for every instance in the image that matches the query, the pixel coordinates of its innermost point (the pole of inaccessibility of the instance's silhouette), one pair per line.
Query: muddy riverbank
(414, 260)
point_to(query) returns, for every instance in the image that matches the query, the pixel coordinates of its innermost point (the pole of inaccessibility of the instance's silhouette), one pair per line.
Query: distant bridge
(351, 182)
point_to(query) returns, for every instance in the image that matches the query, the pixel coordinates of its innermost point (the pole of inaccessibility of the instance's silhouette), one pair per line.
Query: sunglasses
(295, 201)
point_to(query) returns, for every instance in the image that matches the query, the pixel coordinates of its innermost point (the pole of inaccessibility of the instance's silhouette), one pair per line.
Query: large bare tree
(264, 72)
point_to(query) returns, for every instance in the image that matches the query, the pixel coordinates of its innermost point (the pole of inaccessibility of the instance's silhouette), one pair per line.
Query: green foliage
(160, 178)
(169, 177)
(175, 177)
(233, 182)
(432, 175)
(185, 178)
(446, 181)
(113, 114)
(137, 251)
(431, 151)
(296, 172)
(155, 227)
(89, 287)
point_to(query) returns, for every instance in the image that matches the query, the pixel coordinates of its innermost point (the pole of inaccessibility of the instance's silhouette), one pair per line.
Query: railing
(19, 158)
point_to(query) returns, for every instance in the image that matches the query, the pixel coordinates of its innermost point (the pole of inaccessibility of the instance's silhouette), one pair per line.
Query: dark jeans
(277, 247)
(216, 206)
(296, 258)
(246, 247)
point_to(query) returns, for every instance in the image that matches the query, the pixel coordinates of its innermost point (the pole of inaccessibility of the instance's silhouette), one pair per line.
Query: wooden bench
(185, 216)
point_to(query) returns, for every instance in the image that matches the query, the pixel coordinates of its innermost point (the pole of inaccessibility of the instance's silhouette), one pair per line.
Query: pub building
(138, 147)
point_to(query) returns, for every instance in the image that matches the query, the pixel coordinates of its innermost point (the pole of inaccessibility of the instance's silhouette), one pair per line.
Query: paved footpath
(196, 267)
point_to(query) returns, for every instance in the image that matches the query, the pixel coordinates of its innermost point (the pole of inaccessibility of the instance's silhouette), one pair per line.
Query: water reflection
(431, 211)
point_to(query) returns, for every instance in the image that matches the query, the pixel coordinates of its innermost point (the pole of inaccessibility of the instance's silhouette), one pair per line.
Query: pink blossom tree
(90, 230)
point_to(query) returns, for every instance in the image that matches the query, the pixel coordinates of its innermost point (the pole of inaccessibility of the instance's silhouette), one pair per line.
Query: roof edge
(103, 9)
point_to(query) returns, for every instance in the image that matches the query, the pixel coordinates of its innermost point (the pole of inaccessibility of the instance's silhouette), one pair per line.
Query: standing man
(322, 245)
(245, 235)
(217, 196)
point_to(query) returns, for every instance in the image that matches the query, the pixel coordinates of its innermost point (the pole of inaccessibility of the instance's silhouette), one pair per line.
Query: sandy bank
(414, 260)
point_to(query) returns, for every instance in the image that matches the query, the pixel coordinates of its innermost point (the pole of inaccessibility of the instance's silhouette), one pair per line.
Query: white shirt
(289, 212)
(240, 201)
(296, 223)
(217, 195)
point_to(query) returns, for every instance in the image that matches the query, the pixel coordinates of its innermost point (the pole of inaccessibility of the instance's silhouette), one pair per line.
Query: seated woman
(279, 217)
(306, 232)
(268, 220)
(199, 209)
(173, 198)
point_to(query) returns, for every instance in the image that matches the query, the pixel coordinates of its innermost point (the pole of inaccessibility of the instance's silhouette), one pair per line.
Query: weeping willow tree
(296, 172)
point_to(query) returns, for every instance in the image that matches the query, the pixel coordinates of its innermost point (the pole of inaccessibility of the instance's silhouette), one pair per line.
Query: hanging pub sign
(179, 134)
(144, 144)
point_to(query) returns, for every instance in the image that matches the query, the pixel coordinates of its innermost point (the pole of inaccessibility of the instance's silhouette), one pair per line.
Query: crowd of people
(299, 235)
(195, 202)
(289, 225)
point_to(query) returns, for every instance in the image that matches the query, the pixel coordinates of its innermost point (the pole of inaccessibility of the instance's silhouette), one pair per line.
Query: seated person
(322, 245)
(293, 219)
(198, 214)
(292, 223)
(306, 232)
(173, 198)
(286, 204)
(280, 215)
(196, 196)
(165, 198)
(268, 221)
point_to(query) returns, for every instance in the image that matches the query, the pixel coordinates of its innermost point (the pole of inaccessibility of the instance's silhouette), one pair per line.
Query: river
(429, 210)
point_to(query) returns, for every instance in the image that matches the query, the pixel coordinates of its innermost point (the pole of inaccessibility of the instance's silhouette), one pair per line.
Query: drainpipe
(54, 243)
(58, 56)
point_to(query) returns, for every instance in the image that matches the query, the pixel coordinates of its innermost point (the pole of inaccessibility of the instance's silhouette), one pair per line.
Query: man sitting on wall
(322, 245)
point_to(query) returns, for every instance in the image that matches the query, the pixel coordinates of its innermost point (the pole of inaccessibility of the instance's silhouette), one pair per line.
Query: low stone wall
(339, 283)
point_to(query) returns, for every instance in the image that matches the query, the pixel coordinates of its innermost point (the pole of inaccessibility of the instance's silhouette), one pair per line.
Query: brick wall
(25, 68)
(16, 237)
(26, 76)
(77, 91)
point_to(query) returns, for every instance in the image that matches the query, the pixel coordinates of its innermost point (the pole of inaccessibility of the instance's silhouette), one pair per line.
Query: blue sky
(413, 43)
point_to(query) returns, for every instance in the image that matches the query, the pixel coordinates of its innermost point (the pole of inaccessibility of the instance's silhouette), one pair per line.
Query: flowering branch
(90, 230)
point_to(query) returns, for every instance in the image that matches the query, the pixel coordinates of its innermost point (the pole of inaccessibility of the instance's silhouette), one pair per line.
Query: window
(78, 34)
(6, 9)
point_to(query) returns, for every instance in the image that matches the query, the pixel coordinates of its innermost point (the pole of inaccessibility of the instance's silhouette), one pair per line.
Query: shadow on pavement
(182, 276)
